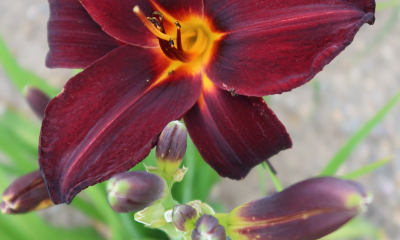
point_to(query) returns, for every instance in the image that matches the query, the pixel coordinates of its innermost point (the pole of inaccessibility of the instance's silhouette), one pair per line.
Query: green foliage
(356, 229)
(341, 155)
(19, 76)
(367, 169)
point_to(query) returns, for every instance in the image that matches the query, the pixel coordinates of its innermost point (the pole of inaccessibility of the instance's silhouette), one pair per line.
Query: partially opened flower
(307, 210)
(206, 61)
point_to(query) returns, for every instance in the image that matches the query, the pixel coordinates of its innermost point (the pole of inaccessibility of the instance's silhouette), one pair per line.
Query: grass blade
(340, 157)
(366, 169)
(19, 76)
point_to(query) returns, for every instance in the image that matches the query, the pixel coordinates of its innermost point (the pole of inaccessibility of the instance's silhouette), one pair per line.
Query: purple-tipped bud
(307, 210)
(37, 100)
(26, 194)
(208, 228)
(134, 191)
(171, 148)
(184, 217)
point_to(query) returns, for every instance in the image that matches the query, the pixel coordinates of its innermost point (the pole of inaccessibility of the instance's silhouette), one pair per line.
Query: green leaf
(19, 76)
(98, 197)
(19, 140)
(87, 208)
(366, 169)
(341, 155)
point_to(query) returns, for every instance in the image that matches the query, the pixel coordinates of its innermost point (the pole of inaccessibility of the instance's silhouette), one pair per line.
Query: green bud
(27, 193)
(171, 148)
(184, 217)
(134, 191)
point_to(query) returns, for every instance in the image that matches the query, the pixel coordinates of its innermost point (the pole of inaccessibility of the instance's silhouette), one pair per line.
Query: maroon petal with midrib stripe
(75, 40)
(108, 118)
(234, 133)
(274, 46)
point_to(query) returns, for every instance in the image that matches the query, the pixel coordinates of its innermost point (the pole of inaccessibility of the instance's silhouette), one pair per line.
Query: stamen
(150, 26)
(146, 21)
(178, 36)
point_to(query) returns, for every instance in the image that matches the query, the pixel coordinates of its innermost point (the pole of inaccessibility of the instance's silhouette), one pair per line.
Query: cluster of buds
(310, 209)
(307, 210)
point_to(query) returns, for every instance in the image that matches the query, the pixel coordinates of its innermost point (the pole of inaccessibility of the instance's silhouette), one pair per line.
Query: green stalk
(275, 181)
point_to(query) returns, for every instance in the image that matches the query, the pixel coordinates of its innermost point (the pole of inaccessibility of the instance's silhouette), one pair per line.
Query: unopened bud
(184, 217)
(307, 210)
(134, 191)
(26, 194)
(208, 228)
(37, 100)
(171, 148)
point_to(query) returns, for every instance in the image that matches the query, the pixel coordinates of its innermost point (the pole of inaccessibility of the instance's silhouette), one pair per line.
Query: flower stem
(222, 219)
(275, 181)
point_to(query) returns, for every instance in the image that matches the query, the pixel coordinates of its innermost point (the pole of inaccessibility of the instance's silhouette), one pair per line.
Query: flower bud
(25, 194)
(37, 100)
(134, 191)
(171, 148)
(184, 217)
(208, 228)
(307, 210)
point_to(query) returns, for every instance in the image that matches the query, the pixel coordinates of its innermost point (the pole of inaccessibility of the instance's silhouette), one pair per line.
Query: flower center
(183, 46)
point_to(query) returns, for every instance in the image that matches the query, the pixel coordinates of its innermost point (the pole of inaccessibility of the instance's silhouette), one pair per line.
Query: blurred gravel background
(320, 116)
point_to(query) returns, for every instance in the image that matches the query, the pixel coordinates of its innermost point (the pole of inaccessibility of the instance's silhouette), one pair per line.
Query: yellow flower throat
(192, 42)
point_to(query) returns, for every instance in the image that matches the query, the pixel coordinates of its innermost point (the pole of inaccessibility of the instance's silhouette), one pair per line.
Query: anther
(171, 42)
(159, 14)
(177, 24)
(157, 23)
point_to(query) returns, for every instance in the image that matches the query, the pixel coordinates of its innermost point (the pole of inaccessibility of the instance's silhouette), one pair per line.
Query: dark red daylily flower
(186, 60)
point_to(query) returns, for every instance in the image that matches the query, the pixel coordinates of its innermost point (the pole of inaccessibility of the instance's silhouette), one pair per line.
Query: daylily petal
(276, 46)
(75, 40)
(234, 134)
(108, 118)
(118, 19)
